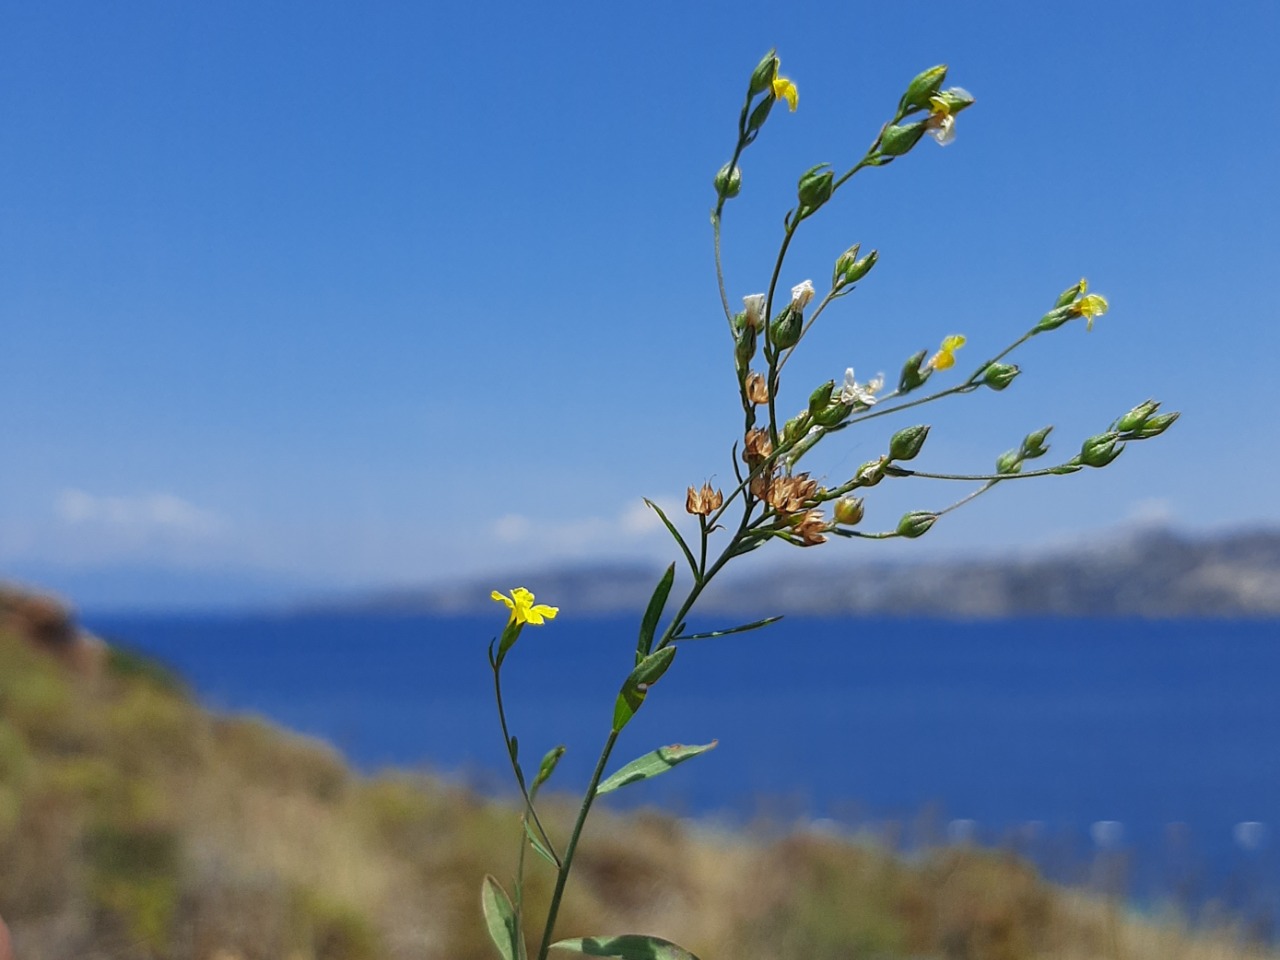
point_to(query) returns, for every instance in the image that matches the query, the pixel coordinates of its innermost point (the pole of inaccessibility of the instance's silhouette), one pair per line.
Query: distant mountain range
(1155, 573)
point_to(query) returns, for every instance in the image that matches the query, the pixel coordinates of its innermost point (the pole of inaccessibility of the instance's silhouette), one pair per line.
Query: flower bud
(545, 769)
(833, 414)
(1069, 295)
(728, 182)
(843, 263)
(1054, 319)
(762, 76)
(953, 100)
(919, 90)
(758, 116)
(1100, 450)
(1136, 417)
(820, 399)
(914, 373)
(1033, 444)
(1157, 425)
(1008, 462)
(997, 376)
(816, 187)
(796, 427)
(785, 330)
(870, 473)
(861, 268)
(906, 443)
(916, 524)
(849, 511)
(898, 139)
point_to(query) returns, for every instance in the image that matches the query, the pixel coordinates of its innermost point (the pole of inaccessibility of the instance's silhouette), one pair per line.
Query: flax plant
(772, 499)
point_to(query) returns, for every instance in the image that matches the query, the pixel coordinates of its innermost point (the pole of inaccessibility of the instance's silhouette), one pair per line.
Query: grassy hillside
(135, 825)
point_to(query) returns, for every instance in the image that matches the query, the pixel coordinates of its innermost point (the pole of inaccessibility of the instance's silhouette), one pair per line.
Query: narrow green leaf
(636, 687)
(724, 633)
(671, 527)
(629, 946)
(539, 847)
(547, 768)
(500, 918)
(652, 764)
(657, 603)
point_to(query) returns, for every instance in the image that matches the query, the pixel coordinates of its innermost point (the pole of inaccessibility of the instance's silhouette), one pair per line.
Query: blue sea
(1139, 754)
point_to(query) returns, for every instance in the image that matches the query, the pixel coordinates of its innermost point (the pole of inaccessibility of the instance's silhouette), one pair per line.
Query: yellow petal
(1092, 305)
(502, 598)
(943, 360)
(537, 613)
(784, 89)
(953, 342)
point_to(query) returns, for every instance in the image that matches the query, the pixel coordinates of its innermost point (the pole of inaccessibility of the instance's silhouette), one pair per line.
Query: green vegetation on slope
(133, 824)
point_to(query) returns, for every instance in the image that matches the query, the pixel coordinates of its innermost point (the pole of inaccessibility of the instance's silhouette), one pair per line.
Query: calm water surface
(1081, 742)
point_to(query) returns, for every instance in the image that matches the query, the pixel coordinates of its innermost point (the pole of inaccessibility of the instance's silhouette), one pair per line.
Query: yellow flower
(945, 358)
(1089, 306)
(784, 89)
(523, 609)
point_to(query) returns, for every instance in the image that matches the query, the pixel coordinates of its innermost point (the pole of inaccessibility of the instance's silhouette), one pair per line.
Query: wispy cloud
(156, 513)
(634, 527)
(1151, 512)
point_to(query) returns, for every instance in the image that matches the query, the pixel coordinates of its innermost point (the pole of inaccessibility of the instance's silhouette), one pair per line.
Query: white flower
(755, 310)
(864, 393)
(942, 127)
(801, 294)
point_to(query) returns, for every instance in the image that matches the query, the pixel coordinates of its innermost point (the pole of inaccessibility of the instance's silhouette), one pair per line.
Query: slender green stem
(588, 799)
(571, 847)
(831, 295)
(769, 352)
(856, 167)
(724, 295)
(729, 552)
(972, 496)
(519, 885)
(861, 535)
(882, 410)
(515, 766)
(894, 471)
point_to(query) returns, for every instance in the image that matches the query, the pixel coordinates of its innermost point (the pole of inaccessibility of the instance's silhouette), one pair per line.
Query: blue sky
(336, 296)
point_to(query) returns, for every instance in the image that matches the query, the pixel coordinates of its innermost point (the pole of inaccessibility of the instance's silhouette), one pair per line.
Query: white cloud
(512, 528)
(1152, 512)
(157, 513)
(633, 528)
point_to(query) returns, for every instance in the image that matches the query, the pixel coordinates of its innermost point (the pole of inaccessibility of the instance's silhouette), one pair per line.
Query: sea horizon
(1075, 742)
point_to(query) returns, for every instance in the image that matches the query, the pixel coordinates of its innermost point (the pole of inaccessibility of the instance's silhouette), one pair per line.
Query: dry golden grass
(133, 825)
